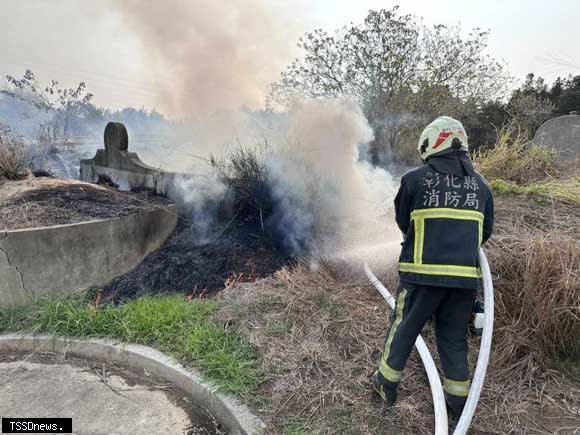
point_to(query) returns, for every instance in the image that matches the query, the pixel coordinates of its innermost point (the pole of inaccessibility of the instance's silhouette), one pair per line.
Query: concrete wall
(64, 259)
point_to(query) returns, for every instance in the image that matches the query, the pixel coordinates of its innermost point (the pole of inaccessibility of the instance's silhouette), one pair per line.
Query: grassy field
(172, 324)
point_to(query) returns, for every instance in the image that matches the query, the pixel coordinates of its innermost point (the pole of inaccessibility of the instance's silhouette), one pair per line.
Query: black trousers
(451, 309)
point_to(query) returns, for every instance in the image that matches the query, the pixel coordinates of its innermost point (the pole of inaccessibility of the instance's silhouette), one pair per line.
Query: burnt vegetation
(242, 244)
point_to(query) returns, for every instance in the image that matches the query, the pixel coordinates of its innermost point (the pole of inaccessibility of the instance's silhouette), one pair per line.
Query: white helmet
(442, 134)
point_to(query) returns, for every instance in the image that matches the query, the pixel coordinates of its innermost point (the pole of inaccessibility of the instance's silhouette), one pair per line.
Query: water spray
(441, 421)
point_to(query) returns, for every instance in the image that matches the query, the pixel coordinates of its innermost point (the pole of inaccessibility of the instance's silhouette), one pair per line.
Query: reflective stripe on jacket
(445, 218)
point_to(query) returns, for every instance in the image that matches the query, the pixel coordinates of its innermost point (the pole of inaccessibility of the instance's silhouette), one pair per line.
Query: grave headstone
(561, 134)
(122, 167)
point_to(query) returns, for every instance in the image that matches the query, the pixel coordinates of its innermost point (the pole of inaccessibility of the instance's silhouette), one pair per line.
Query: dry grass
(538, 305)
(14, 158)
(319, 337)
(244, 171)
(535, 255)
(320, 333)
(515, 159)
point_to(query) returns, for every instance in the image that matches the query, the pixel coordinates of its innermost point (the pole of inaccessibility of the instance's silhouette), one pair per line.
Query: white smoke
(200, 195)
(329, 200)
(326, 200)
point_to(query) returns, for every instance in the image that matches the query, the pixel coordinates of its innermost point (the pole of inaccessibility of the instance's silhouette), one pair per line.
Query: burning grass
(224, 243)
(245, 173)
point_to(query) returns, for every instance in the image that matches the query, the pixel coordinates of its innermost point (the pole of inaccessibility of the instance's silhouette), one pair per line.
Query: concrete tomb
(122, 167)
(562, 134)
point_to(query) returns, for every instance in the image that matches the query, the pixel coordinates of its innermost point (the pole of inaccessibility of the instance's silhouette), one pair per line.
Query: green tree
(569, 99)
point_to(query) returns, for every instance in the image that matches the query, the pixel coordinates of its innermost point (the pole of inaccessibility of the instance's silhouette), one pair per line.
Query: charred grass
(239, 246)
(199, 266)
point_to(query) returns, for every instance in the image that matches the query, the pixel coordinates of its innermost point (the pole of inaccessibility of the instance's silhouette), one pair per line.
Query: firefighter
(445, 211)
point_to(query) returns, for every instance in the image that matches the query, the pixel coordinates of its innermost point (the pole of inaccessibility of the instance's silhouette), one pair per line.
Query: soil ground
(99, 398)
(37, 202)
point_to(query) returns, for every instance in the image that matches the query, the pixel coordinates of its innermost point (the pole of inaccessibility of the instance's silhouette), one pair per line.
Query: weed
(566, 191)
(538, 306)
(517, 160)
(170, 324)
(245, 172)
(14, 157)
(297, 426)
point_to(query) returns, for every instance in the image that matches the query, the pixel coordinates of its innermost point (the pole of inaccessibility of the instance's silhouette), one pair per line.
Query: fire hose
(441, 423)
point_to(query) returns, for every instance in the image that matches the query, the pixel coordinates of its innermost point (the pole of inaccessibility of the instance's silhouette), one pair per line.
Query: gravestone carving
(122, 167)
(561, 134)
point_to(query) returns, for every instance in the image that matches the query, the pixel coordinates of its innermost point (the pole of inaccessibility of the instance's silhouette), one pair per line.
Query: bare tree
(401, 71)
(63, 103)
(529, 111)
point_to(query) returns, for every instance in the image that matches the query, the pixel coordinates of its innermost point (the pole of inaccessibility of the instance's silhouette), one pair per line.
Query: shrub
(14, 158)
(516, 159)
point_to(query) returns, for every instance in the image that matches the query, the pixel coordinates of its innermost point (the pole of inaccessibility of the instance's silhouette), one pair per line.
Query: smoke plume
(213, 56)
(328, 200)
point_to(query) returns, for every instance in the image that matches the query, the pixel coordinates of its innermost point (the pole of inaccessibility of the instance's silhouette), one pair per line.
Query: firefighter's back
(449, 220)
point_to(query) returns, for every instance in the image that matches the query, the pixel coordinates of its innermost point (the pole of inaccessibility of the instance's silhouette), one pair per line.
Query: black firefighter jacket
(445, 211)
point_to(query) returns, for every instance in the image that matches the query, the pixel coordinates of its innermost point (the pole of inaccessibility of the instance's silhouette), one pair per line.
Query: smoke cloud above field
(213, 56)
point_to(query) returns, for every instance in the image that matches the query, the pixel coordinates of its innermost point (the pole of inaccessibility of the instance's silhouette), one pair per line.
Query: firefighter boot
(387, 390)
(455, 405)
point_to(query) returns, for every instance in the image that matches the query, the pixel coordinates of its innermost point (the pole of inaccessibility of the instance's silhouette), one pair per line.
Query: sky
(92, 41)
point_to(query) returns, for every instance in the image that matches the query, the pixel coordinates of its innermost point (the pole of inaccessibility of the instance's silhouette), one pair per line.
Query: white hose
(484, 349)
(441, 425)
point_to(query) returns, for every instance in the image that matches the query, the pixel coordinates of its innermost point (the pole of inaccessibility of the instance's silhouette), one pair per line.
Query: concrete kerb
(235, 417)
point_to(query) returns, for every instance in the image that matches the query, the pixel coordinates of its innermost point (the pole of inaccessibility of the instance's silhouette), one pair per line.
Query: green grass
(170, 324)
(567, 191)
